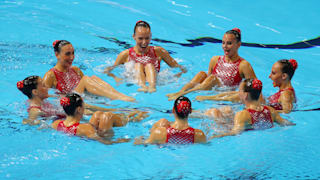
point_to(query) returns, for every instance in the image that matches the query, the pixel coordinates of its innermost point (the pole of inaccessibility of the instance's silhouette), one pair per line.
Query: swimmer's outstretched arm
(93, 108)
(278, 119)
(157, 136)
(232, 96)
(121, 59)
(34, 113)
(164, 54)
(286, 99)
(238, 127)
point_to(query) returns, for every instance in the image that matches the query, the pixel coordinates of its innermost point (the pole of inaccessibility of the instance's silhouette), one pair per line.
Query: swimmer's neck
(180, 124)
(233, 58)
(256, 105)
(285, 85)
(136, 49)
(61, 68)
(70, 120)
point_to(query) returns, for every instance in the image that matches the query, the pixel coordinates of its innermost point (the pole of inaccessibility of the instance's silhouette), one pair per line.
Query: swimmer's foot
(137, 116)
(170, 94)
(152, 89)
(201, 98)
(143, 89)
(127, 98)
(171, 98)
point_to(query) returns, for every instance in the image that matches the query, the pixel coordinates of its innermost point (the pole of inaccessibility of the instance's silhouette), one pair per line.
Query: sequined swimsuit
(261, 119)
(72, 130)
(66, 81)
(176, 136)
(227, 73)
(49, 110)
(274, 99)
(149, 57)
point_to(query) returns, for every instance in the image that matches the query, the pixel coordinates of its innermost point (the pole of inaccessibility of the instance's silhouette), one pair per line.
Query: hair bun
(184, 107)
(294, 63)
(20, 84)
(237, 29)
(257, 84)
(65, 101)
(55, 42)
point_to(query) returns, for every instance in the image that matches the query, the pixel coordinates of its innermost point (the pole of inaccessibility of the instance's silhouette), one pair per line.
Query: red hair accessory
(55, 42)
(139, 21)
(237, 29)
(184, 107)
(65, 101)
(20, 84)
(257, 84)
(293, 63)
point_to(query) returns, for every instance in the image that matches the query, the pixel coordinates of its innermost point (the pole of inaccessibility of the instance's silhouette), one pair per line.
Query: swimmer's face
(142, 37)
(230, 45)
(276, 75)
(81, 109)
(66, 55)
(42, 90)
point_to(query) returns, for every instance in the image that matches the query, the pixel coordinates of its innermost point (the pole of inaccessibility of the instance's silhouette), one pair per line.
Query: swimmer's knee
(97, 114)
(202, 73)
(149, 65)
(227, 109)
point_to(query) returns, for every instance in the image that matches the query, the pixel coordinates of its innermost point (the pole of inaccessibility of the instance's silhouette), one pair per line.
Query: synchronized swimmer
(228, 70)
(147, 58)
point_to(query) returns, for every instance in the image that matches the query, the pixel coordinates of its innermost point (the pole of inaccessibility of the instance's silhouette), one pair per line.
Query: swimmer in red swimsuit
(147, 58)
(227, 70)
(99, 126)
(281, 74)
(177, 132)
(255, 115)
(33, 87)
(66, 78)
(35, 90)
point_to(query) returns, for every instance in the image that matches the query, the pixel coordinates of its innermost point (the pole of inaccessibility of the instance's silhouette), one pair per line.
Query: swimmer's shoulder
(199, 136)
(122, 57)
(86, 129)
(213, 62)
(78, 70)
(242, 117)
(160, 51)
(55, 123)
(158, 135)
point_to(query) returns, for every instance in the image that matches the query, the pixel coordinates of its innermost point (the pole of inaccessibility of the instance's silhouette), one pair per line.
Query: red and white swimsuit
(66, 81)
(227, 73)
(72, 130)
(149, 57)
(49, 110)
(274, 99)
(261, 119)
(176, 136)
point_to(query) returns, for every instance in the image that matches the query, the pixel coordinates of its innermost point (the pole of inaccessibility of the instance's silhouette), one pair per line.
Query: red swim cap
(65, 101)
(55, 42)
(257, 84)
(20, 84)
(293, 63)
(237, 29)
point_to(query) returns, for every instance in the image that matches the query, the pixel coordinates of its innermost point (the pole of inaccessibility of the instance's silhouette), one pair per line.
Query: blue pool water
(95, 28)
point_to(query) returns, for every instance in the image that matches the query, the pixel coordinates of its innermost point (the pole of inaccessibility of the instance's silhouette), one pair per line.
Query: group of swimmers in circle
(229, 70)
